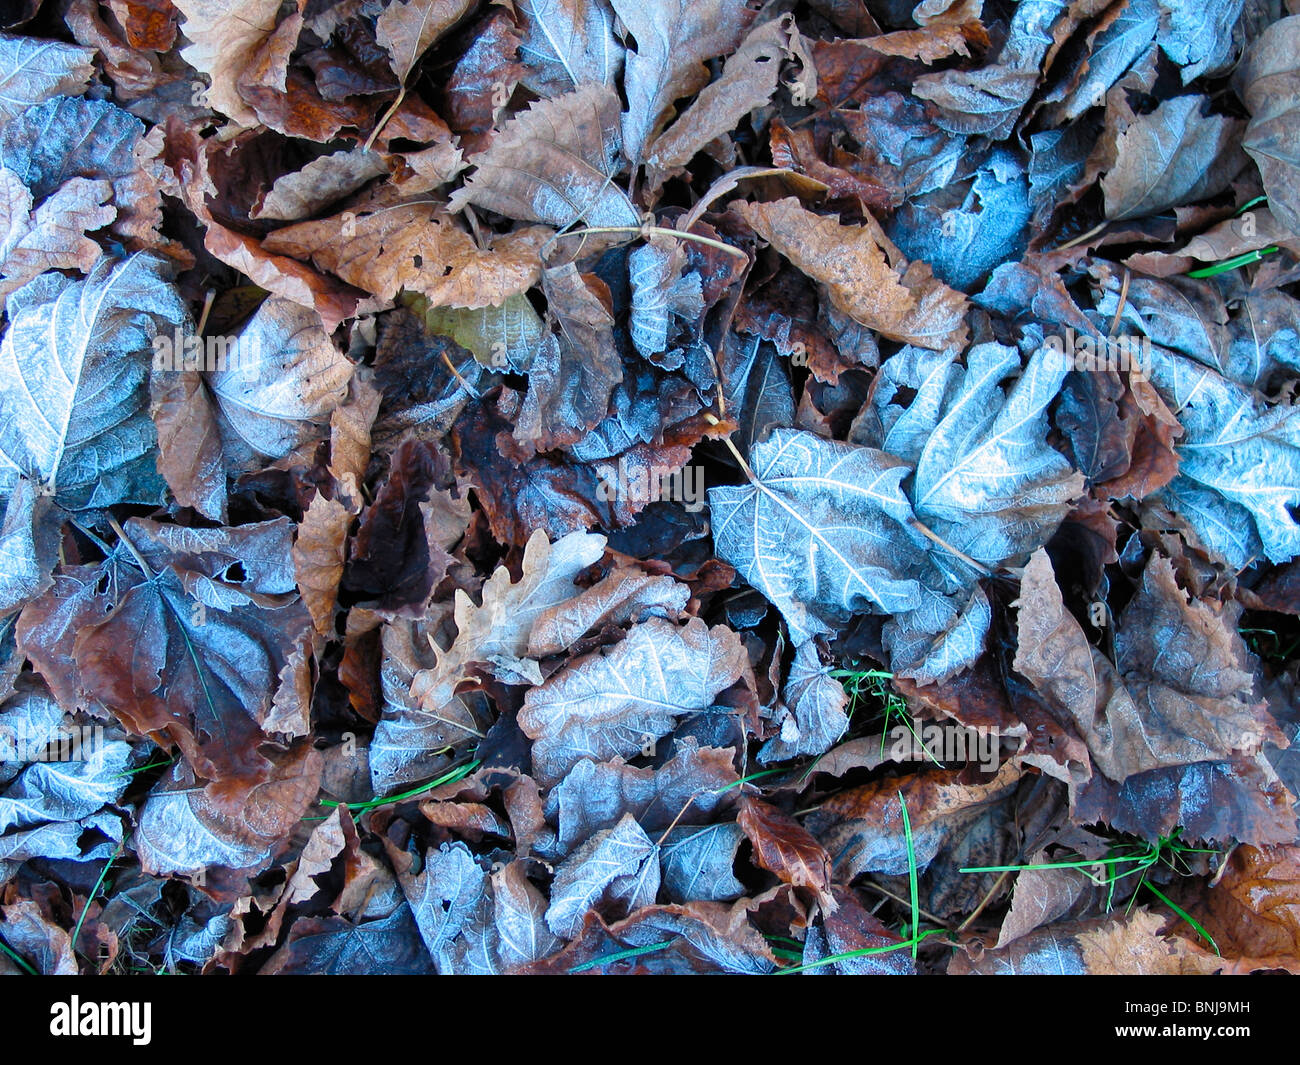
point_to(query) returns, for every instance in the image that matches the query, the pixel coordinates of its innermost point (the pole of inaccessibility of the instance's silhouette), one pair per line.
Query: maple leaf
(986, 480)
(555, 163)
(208, 673)
(1233, 445)
(823, 531)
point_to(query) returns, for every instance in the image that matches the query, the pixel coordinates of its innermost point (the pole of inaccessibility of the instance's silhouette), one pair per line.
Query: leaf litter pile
(649, 486)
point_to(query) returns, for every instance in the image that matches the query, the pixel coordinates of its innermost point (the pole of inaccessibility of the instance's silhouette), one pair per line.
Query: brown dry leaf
(148, 24)
(317, 185)
(555, 163)
(332, 300)
(416, 247)
(786, 848)
(496, 633)
(1266, 83)
(1043, 896)
(406, 29)
(903, 301)
(928, 45)
(1253, 912)
(1135, 947)
(862, 828)
(674, 40)
(350, 426)
(318, 556)
(1113, 946)
(424, 171)
(1180, 692)
(748, 81)
(53, 237)
(1175, 155)
(226, 36)
(189, 442)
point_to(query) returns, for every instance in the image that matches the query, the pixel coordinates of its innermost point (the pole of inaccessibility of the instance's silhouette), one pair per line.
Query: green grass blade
(911, 875)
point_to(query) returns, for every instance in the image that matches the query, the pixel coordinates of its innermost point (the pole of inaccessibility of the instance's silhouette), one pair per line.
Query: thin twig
(922, 528)
(1083, 236)
(1123, 299)
(745, 466)
(658, 231)
(139, 558)
(985, 901)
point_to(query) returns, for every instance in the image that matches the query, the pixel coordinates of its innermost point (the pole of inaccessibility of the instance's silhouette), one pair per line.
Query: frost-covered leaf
(688, 789)
(824, 533)
(697, 863)
(279, 391)
(1175, 155)
(1198, 35)
(674, 39)
(73, 370)
(66, 791)
(567, 43)
(555, 163)
(1239, 462)
(987, 481)
(602, 706)
(73, 137)
(660, 293)
(209, 668)
(496, 632)
(615, 868)
(32, 70)
(814, 703)
(335, 946)
(187, 826)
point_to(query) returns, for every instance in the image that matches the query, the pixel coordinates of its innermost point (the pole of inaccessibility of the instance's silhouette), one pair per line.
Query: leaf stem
(658, 231)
